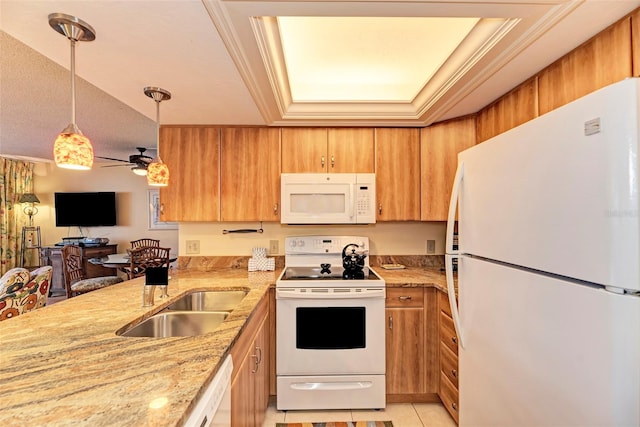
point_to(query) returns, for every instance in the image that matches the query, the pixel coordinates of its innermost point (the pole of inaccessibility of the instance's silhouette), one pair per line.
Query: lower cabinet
(250, 378)
(448, 390)
(411, 345)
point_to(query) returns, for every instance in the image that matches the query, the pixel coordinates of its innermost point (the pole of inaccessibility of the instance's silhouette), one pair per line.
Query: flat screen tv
(85, 209)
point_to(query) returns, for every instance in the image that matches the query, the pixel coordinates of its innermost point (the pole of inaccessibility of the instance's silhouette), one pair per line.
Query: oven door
(321, 331)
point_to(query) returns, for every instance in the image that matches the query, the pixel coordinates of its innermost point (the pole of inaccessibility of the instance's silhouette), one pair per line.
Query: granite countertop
(64, 364)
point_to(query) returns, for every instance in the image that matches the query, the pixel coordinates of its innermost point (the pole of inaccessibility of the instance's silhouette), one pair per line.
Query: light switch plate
(431, 246)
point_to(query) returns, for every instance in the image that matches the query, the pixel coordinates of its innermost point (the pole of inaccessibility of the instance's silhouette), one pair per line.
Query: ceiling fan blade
(115, 166)
(111, 158)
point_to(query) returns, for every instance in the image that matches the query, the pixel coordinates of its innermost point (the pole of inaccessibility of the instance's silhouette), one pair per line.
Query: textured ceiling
(207, 53)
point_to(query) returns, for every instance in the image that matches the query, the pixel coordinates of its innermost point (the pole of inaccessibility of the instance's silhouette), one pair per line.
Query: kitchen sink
(177, 324)
(208, 301)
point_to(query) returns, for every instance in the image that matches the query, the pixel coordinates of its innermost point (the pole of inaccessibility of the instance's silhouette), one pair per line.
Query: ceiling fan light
(139, 170)
(73, 151)
(158, 173)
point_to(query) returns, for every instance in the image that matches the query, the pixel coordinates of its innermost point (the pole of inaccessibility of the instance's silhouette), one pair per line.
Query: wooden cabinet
(52, 255)
(397, 152)
(193, 156)
(448, 390)
(603, 60)
(440, 145)
(411, 345)
(322, 150)
(250, 377)
(250, 174)
(405, 341)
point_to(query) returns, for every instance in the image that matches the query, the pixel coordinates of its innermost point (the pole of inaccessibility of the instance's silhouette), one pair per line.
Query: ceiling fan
(139, 161)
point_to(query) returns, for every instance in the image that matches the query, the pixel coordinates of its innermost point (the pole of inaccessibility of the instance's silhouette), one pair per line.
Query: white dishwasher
(214, 408)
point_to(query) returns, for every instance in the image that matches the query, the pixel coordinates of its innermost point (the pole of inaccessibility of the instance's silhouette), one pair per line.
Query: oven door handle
(292, 293)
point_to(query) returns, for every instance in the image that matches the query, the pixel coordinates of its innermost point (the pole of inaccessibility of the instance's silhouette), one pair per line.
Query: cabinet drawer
(98, 251)
(448, 333)
(443, 303)
(404, 297)
(449, 364)
(449, 396)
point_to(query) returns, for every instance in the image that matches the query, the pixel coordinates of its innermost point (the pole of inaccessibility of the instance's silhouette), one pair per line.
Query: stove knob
(292, 243)
(301, 243)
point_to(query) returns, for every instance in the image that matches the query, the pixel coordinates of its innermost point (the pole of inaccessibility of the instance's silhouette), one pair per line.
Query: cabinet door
(242, 390)
(398, 174)
(404, 347)
(304, 150)
(250, 174)
(350, 150)
(193, 157)
(261, 380)
(440, 145)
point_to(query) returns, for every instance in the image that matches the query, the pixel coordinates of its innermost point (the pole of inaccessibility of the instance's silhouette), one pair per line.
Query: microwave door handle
(353, 201)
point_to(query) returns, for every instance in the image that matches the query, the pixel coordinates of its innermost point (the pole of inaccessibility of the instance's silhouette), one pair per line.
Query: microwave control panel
(365, 202)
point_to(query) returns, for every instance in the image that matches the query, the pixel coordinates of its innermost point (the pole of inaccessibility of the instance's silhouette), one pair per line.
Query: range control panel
(314, 245)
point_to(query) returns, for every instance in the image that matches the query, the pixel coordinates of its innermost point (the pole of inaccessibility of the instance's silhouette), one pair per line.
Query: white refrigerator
(548, 310)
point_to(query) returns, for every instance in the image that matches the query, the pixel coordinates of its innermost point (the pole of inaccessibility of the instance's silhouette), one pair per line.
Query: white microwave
(328, 198)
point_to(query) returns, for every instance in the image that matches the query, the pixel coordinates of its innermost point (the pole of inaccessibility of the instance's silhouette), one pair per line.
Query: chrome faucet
(149, 290)
(147, 295)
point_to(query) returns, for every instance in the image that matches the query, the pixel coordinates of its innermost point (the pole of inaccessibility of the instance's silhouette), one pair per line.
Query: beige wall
(131, 200)
(132, 203)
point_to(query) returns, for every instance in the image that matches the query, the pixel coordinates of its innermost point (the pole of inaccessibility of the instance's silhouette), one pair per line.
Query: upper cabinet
(322, 150)
(397, 174)
(440, 145)
(250, 174)
(192, 154)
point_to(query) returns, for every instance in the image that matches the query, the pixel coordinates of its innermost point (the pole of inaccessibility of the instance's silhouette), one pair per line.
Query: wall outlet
(193, 247)
(431, 246)
(274, 247)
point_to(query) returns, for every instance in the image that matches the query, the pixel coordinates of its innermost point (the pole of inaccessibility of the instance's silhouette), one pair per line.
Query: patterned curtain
(16, 177)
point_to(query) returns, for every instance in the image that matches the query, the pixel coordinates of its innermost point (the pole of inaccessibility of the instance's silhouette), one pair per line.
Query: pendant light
(157, 171)
(72, 150)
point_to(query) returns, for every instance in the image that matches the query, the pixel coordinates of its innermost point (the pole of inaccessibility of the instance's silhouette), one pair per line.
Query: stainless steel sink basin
(208, 301)
(177, 324)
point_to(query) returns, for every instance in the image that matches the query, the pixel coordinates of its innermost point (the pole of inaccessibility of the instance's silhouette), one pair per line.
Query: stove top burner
(324, 272)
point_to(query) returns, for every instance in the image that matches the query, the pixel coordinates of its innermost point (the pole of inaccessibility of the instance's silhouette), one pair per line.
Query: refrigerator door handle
(453, 254)
(453, 207)
(451, 292)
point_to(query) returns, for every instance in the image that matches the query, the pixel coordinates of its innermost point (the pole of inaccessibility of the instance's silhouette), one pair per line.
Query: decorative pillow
(16, 296)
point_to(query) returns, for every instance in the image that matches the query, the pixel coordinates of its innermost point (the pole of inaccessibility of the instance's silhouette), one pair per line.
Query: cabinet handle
(454, 373)
(403, 298)
(454, 340)
(322, 161)
(333, 161)
(275, 209)
(454, 405)
(259, 351)
(380, 208)
(255, 363)
(161, 208)
(391, 323)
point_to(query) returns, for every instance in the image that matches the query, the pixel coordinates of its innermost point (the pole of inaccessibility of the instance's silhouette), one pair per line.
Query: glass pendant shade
(158, 173)
(73, 151)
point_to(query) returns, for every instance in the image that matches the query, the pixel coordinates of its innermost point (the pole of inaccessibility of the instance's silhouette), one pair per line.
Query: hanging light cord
(73, 84)
(157, 128)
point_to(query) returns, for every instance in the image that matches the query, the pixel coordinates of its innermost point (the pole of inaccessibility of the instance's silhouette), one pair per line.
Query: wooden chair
(75, 279)
(144, 242)
(147, 256)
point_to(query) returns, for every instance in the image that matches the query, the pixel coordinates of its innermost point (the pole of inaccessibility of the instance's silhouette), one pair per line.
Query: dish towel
(260, 262)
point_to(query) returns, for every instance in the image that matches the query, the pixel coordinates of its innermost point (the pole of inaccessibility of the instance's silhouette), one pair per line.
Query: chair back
(21, 292)
(72, 267)
(144, 242)
(147, 256)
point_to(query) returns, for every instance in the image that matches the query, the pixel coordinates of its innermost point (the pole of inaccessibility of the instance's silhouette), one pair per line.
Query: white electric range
(330, 334)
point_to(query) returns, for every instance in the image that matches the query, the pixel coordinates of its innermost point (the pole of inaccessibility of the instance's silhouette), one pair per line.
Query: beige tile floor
(401, 414)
